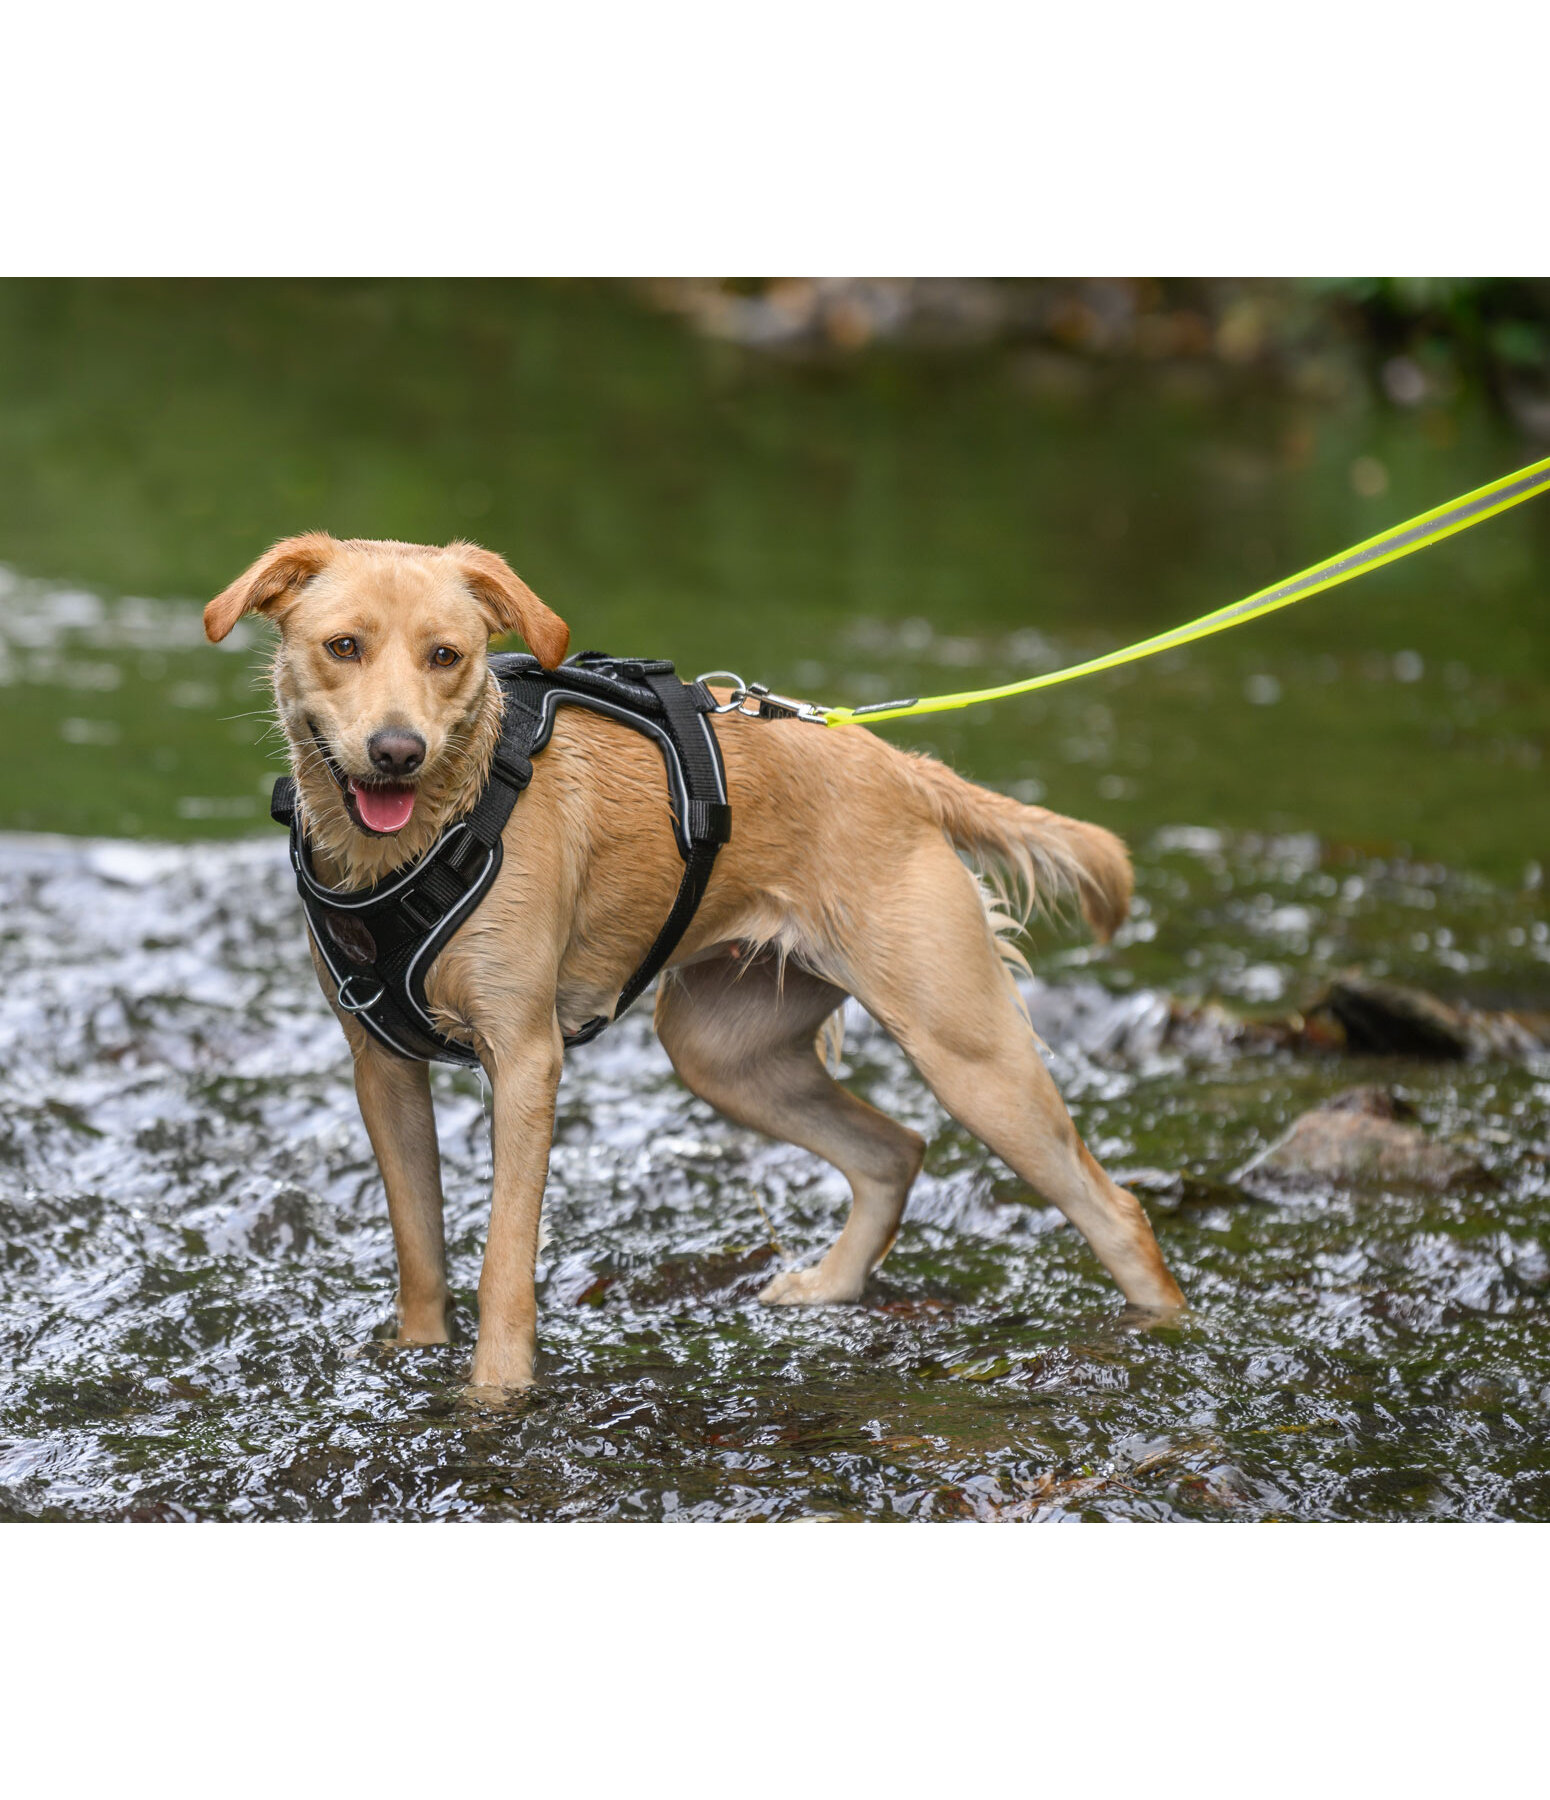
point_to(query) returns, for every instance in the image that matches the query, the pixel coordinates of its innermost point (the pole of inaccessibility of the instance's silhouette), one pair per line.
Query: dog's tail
(1053, 859)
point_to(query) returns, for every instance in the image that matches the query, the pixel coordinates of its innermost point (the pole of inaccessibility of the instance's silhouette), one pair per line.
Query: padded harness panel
(379, 943)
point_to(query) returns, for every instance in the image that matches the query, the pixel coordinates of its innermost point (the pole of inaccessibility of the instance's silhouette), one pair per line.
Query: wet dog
(843, 877)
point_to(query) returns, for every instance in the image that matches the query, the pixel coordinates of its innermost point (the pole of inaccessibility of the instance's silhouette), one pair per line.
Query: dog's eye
(345, 648)
(444, 656)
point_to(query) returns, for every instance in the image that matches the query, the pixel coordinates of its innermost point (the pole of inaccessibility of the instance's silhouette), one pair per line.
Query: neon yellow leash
(1399, 540)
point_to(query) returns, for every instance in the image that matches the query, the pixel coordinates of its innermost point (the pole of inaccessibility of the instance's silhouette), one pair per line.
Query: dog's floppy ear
(277, 575)
(511, 605)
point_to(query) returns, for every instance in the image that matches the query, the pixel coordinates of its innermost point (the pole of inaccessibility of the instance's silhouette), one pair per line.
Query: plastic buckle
(516, 771)
(710, 822)
(282, 801)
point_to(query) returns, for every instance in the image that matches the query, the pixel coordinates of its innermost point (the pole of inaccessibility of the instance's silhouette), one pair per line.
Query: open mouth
(379, 808)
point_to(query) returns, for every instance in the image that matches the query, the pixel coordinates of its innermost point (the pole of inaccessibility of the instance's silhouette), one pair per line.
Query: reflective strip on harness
(379, 943)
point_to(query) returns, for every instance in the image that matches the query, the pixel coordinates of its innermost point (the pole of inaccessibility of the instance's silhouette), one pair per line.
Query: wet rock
(807, 317)
(1386, 1018)
(1364, 1139)
(688, 1280)
(1355, 1015)
(1383, 1018)
(1360, 1016)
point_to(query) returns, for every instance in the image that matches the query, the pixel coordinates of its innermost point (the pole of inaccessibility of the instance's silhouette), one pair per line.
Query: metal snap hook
(755, 701)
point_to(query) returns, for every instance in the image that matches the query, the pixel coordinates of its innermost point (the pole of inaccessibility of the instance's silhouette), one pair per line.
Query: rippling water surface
(198, 1262)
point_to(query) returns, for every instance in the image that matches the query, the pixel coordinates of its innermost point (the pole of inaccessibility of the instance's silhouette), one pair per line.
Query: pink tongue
(384, 808)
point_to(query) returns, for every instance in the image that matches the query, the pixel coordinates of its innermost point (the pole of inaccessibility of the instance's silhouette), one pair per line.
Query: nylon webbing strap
(685, 710)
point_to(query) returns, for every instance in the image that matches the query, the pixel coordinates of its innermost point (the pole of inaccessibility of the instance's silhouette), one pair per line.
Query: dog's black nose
(396, 753)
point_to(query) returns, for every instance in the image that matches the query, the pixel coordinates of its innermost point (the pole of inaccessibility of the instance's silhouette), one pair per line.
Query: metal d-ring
(349, 1005)
(739, 691)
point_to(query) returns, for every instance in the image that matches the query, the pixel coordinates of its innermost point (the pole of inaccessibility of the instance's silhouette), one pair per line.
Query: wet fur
(845, 876)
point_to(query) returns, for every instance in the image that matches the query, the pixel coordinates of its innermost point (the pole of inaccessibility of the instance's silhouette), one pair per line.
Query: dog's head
(380, 678)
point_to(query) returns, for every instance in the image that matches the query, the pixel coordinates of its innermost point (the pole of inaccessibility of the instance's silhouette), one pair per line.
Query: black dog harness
(378, 943)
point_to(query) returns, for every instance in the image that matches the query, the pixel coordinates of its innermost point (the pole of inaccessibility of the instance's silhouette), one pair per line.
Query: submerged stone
(1363, 1139)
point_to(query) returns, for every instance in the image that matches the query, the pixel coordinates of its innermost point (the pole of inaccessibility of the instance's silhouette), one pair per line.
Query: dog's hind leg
(742, 1035)
(927, 968)
(395, 1102)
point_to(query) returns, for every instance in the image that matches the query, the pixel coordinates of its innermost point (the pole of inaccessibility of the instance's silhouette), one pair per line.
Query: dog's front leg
(524, 1072)
(395, 1102)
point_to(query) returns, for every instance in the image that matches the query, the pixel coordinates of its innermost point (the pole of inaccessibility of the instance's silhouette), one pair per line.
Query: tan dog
(841, 878)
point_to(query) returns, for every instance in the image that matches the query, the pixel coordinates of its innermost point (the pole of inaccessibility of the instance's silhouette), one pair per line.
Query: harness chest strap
(378, 944)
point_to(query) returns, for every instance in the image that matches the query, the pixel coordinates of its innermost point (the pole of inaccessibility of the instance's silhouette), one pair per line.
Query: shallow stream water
(197, 1255)
(197, 1263)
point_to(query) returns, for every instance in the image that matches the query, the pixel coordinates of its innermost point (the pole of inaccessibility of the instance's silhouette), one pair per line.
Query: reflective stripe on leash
(1399, 540)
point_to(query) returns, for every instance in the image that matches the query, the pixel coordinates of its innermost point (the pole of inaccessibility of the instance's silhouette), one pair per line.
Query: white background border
(1199, 137)
(314, 139)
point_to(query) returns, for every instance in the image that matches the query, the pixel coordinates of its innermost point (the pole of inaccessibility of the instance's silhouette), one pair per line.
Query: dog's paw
(502, 1371)
(422, 1322)
(483, 1397)
(810, 1287)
